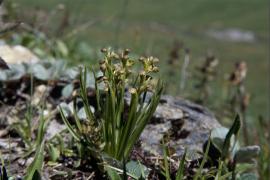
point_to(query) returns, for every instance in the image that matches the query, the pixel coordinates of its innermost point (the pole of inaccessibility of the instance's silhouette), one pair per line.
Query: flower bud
(141, 59)
(75, 93)
(102, 62)
(132, 91)
(102, 67)
(126, 52)
(155, 60)
(155, 69)
(104, 78)
(142, 73)
(114, 55)
(125, 57)
(103, 50)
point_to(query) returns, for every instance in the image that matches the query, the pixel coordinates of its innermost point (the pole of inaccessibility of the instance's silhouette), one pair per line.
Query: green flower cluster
(116, 124)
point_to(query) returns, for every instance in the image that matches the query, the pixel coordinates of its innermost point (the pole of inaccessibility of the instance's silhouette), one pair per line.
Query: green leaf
(82, 114)
(76, 116)
(41, 130)
(69, 126)
(62, 48)
(36, 175)
(218, 136)
(85, 50)
(54, 153)
(136, 169)
(166, 163)
(40, 72)
(180, 171)
(37, 163)
(67, 90)
(205, 156)
(83, 93)
(246, 154)
(114, 172)
(55, 68)
(233, 131)
(124, 176)
(16, 71)
(113, 175)
(3, 75)
(70, 73)
(248, 176)
(66, 109)
(3, 173)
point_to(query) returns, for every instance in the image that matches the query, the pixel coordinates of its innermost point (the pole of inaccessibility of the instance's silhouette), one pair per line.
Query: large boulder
(186, 124)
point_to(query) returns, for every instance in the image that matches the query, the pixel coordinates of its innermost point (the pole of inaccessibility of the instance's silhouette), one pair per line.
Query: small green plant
(33, 172)
(24, 127)
(226, 149)
(34, 169)
(31, 135)
(166, 166)
(239, 96)
(223, 158)
(264, 139)
(117, 123)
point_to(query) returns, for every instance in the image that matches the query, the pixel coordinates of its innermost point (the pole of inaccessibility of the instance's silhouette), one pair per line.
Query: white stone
(17, 54)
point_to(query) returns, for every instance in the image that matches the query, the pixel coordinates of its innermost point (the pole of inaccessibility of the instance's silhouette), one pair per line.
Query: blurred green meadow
(151, 27)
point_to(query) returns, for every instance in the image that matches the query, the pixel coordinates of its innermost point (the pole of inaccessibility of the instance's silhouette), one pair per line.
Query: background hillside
(231, 30)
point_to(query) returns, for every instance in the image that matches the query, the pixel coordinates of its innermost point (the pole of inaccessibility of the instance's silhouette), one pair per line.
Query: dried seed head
(239, 74)
(214, 63)
(246, 100)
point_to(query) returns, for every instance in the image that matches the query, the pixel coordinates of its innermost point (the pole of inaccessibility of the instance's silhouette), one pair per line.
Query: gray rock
(187, 124)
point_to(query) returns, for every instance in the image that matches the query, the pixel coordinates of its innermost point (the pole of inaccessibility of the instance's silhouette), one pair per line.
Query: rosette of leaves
(116, 124)
(224, 147)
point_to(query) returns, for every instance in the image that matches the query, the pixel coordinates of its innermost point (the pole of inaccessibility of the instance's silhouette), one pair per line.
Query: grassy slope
(152, 25)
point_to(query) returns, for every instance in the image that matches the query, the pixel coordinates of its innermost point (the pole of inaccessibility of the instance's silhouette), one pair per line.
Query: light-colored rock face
(187, 123)
(17, 54)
